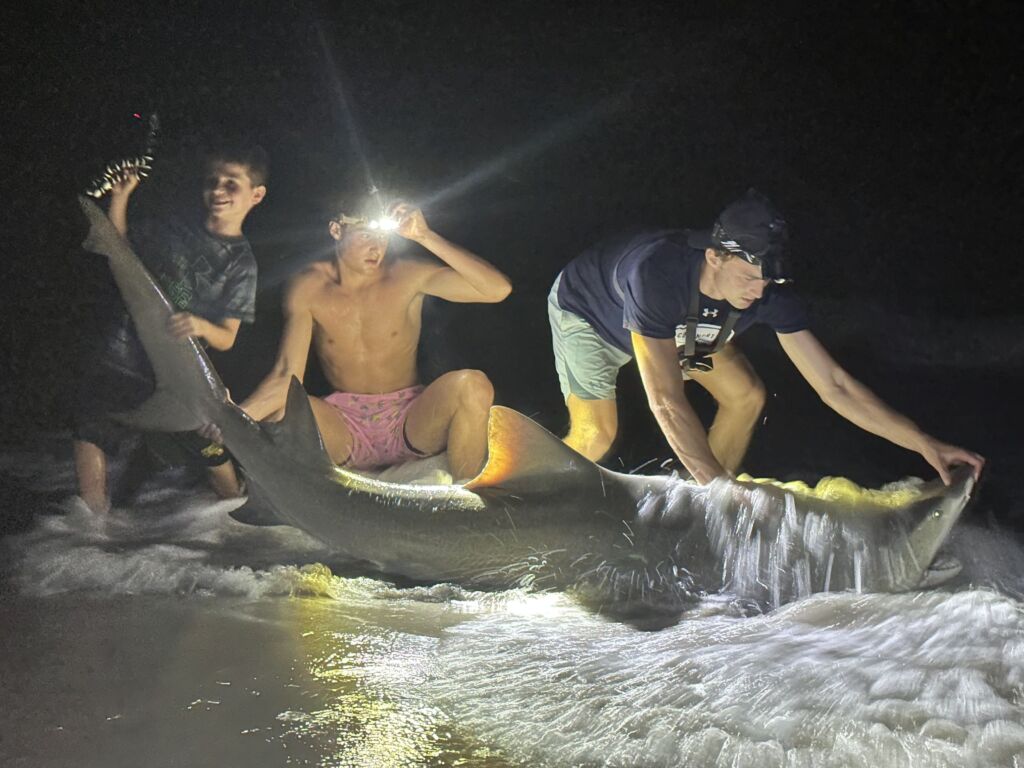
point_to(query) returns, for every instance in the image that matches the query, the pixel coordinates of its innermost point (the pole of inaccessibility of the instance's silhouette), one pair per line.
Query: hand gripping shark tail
(187, 383)
(540, 514)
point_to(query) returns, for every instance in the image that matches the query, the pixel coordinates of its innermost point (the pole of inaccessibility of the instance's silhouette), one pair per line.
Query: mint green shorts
(587, 365)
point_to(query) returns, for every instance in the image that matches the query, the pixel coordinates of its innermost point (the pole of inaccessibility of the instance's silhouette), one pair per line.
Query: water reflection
(366, 707)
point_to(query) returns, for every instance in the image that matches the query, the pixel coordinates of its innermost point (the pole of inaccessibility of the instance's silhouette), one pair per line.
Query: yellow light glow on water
(364, 709)
(843, 491)
(315, 579)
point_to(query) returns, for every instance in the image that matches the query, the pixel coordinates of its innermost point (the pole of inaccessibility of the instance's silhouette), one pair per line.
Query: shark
(539, 515)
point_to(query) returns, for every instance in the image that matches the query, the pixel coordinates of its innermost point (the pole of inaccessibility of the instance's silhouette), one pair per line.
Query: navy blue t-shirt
(642, 282)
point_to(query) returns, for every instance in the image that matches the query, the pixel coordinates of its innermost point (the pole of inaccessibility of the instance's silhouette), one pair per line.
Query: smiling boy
(208, 272)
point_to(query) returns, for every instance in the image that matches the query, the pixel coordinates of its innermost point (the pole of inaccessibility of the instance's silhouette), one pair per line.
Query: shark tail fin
(522, 454)
(297, 433)
(162, 412)
(101, 230)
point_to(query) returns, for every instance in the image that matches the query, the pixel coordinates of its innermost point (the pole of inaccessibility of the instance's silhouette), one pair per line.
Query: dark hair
(252, 156)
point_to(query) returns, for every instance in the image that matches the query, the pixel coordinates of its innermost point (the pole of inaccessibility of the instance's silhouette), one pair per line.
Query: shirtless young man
(363, 312)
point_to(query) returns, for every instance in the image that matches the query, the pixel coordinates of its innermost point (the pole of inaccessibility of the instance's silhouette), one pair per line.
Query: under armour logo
(709, 312)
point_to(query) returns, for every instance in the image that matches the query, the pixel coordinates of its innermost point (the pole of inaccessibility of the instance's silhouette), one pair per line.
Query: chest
(712, 318)
(379, 311)
(192, 278)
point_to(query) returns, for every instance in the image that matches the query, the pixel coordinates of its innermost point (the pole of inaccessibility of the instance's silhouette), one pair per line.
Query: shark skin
(540, 515)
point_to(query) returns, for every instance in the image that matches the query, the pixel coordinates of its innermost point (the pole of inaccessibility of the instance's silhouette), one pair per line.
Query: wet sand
(169, 681)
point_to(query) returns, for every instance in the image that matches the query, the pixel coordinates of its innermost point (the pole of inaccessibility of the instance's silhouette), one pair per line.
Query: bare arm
(658, 362)
(119, 197)
(219, 335)
(269, 397)
(856, 403)
(468, 278)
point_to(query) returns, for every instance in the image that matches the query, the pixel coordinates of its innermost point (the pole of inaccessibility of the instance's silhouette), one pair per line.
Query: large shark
(540, 514)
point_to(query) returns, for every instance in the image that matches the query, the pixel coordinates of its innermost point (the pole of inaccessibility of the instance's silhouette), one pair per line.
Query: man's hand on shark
(210, 430)
(943, 457)
(212, 433)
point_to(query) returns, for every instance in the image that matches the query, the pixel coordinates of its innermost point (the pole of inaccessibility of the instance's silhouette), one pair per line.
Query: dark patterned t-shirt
(212, 277)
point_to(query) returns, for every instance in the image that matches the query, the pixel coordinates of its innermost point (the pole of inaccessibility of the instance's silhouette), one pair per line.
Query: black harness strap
(693, 317)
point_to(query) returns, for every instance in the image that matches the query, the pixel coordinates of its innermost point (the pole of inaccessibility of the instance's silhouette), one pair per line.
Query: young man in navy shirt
(674, 300)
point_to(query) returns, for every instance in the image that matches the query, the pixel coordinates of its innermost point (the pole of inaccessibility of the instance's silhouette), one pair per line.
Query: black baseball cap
(753, 229)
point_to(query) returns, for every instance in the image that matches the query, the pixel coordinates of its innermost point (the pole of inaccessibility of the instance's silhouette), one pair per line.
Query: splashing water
(841, 680)
(259, 642)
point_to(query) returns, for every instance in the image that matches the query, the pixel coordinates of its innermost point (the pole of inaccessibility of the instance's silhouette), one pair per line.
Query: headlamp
(382, 224)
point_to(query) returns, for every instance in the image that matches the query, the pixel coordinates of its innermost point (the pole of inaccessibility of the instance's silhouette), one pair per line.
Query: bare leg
(224, 480)
(452, 412)
(740, 396)
(91, 468)
(593, 425)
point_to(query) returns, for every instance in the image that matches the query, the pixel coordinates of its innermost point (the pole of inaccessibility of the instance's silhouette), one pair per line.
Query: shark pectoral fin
(162, 412)
(257, 509)
(297, 433)
(255, 514)
(522, 454)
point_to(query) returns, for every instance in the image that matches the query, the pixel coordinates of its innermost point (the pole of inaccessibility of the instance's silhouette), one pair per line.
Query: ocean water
(168, 634)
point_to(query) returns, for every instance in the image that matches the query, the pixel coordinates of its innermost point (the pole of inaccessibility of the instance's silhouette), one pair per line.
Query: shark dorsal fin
(522, 454)
(297, 433)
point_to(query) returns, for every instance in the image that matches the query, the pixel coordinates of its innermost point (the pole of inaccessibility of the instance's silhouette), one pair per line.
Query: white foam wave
(925, 679)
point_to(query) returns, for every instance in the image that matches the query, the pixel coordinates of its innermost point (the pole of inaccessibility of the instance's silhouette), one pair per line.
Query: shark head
(933, 516)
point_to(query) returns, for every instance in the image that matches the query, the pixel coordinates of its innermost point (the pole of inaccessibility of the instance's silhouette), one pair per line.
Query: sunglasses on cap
(771, 266)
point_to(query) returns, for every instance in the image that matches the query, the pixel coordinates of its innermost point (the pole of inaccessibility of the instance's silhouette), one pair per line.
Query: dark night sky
(891, 138)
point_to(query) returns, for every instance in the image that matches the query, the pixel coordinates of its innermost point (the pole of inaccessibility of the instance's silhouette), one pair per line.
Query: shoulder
(309, 276)
(306, 282)
(242, 257)
(780, 296)
(661, 262)
(671, 248)
(782, 309)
